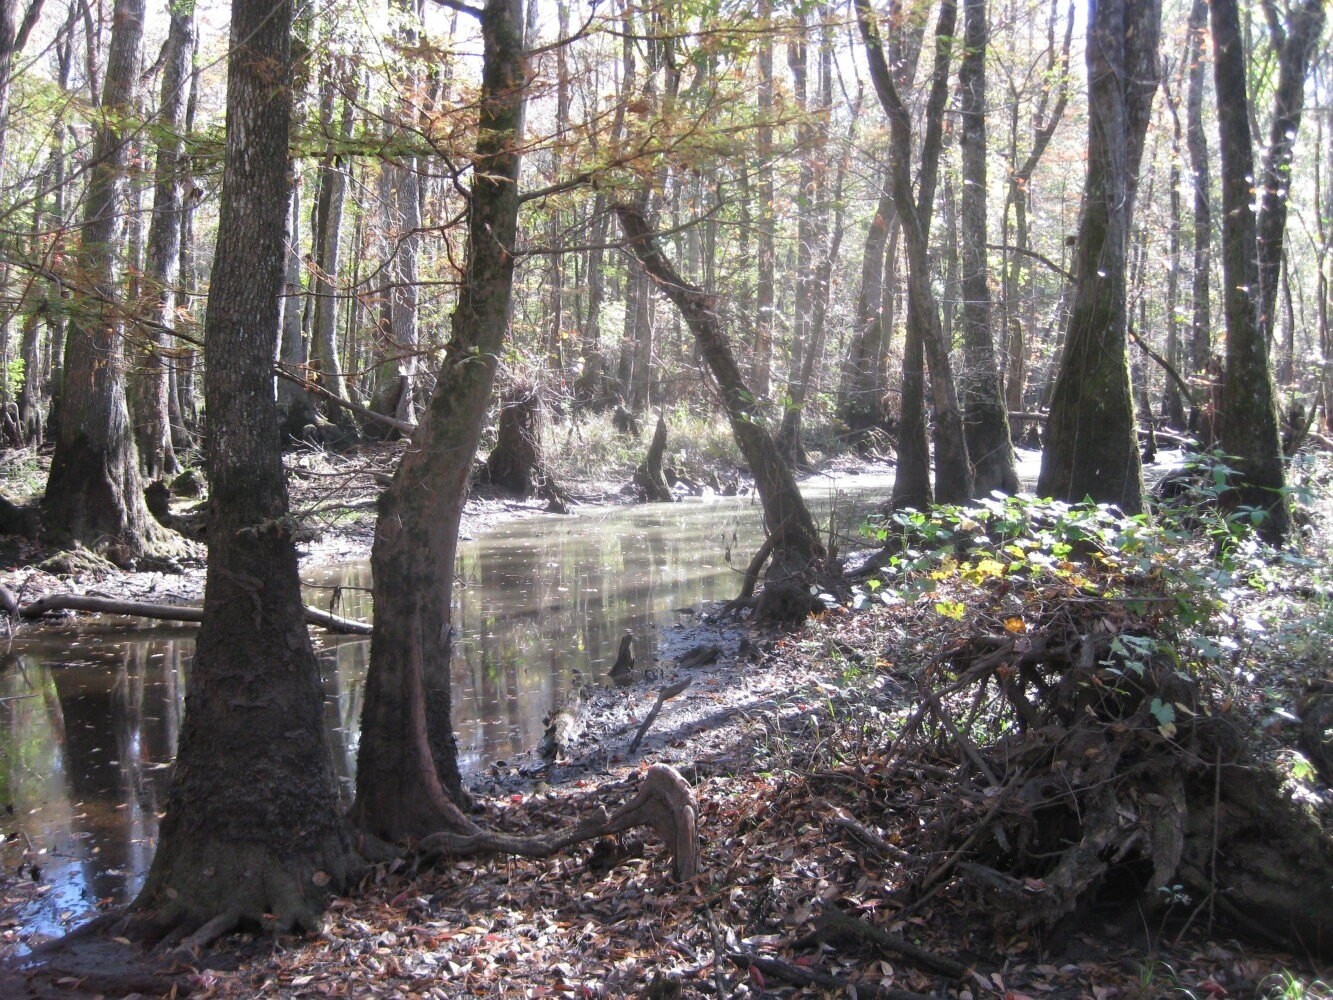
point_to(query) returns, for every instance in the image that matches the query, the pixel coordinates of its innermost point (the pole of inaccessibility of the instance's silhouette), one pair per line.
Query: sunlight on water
(89, 716)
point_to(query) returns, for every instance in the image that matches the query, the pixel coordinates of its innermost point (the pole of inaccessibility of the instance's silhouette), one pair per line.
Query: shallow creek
(90, 713)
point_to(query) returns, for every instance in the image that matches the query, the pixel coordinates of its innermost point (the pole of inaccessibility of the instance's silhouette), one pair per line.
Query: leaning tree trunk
(407, 780)
(787, 521)
(1249, 414)
(1091, 440)
(93, 492)
(986, 421)
(253, 833)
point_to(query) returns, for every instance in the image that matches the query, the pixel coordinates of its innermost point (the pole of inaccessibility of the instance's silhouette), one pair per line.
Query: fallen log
(165, 612)
(799, 975)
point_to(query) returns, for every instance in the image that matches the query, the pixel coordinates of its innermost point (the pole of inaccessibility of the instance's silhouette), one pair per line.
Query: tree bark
(1091, 448)
(1296, 44)
(407, 769)
(1196, 142)
(986, 419)
(153, 425)
(953, 470)
(252, 834)
(787, 521)
(1249, 414)
(93, 491)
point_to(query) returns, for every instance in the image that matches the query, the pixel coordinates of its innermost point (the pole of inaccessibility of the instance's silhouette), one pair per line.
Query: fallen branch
(799, 975)
(663, 696)
(167, 612)
(663, 802)
(838, 925)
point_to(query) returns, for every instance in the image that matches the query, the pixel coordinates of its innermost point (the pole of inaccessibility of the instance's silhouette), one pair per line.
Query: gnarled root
(664, 802)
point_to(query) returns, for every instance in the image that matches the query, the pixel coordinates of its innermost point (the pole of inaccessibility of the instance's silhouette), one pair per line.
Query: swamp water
(89, 714)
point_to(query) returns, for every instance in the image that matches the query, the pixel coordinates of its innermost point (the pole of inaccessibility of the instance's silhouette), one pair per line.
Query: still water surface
(89, 716)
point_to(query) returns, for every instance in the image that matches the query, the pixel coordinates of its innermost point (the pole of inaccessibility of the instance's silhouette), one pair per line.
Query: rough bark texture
(93, 493)
(787, 521)
(986, 420)
(407, 769)
(1249, 414)
(1091, 447)
(953, 470)
(252, 833)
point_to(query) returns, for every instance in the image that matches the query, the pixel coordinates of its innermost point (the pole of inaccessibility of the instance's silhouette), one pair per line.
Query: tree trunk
(1055, 82)
(1296, 43)
(787, 521)
(1196, 142)
(327, 251)
(93, 492)
(407, 768)
(986, 418)
(1249, 415)
(1091, 448)
(252, 833)
(296, 406)
(953, 471)
(766, 236)
(13, 36)
(153, 427)
(860, 394)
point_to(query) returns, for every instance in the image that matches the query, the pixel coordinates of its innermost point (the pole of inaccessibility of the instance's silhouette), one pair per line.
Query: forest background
(681, 128)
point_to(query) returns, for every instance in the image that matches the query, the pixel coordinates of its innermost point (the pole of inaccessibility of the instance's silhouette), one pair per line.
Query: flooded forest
(666, 498)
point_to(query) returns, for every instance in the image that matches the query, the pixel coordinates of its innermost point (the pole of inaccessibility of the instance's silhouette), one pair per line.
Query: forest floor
(808, 803)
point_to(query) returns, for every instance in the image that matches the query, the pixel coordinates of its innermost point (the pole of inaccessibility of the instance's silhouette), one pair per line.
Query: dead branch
(797, 975)
(663, 696)
(834, 924)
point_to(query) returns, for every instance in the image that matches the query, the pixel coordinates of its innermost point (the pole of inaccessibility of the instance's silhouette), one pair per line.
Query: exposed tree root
(664, 802)
(1109, 781)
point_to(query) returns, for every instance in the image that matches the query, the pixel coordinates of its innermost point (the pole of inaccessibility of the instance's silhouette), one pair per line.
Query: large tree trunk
(787, 522)
(986, 420)
(153, 424)
(252, 833)
(407, 768)
(1249, 415)
(93, 492)
(1091, 447)
(953, 470)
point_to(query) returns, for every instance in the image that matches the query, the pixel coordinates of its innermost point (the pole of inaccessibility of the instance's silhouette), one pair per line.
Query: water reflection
(90, 716)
